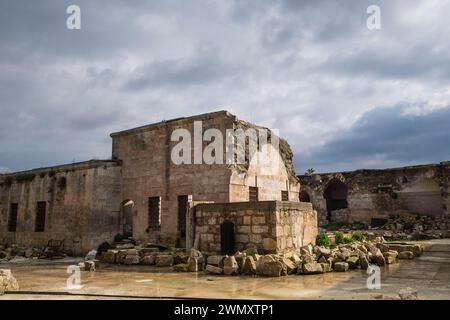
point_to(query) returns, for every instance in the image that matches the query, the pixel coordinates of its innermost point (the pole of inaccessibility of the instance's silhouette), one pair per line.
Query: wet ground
(429, 274)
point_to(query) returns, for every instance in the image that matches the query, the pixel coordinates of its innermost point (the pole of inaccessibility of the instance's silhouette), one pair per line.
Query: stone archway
(304, 196)
(335, 195)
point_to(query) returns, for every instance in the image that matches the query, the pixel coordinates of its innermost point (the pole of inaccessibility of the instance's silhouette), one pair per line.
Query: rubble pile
(7, 281)
(313, 259)
(150, 254)
(404, 226)
(308, 260)
(14, 253)
(414, 227)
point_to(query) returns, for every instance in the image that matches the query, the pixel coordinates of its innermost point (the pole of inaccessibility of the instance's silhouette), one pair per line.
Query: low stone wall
(270, 226)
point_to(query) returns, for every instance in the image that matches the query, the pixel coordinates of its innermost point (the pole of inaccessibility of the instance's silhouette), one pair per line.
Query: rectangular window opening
(40, 216)
(154, 213)
(253, 194)
(12, 219)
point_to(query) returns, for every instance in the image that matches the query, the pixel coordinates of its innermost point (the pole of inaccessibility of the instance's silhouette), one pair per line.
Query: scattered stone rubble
(408, 294)
(404, 226)
(308, 260)
(7, 281)
(14, 253)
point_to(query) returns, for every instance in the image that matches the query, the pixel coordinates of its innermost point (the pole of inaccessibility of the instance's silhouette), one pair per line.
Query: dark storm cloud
(310, 68)
(386, 134)
(199, 70)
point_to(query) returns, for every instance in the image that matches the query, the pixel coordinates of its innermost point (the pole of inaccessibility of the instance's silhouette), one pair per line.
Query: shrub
(358, 236)
(348, 240)
(103, 247)
(8, 181)
(323, 240)
(25, 177)
(119, 237)
(62, 182)
(339, 237)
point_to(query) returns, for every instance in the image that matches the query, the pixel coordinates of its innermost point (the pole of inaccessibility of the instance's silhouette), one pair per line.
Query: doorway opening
(126, 213)
(182, 215)
(304, 197)
(336, 196)
(227, 238)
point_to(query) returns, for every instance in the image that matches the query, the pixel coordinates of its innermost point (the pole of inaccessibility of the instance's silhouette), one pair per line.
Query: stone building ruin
(370, 196)
(141, 193)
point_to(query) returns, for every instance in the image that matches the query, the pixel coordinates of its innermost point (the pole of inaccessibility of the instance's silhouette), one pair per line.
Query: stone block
(213, 269)
(163, 260)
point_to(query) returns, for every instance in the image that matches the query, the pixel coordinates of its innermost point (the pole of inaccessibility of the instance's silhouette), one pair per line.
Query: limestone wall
(81, 204)
(377, 193)
(271, 226)
(148, 171)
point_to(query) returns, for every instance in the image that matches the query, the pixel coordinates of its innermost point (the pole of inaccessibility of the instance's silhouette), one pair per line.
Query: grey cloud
(386, 134)
(199, 70)
(307, 67)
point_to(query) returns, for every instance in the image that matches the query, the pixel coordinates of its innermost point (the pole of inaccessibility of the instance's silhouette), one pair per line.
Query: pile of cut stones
(415, 227)
(15, 253)
(403, 226)
(7, 281)
(308, 260)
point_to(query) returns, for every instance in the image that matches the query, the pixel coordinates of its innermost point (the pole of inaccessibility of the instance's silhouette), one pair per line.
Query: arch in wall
(303, 196)
(227, 238)
(126, 217)
(335, 195)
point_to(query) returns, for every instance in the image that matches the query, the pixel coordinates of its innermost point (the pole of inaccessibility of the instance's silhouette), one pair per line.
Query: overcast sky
(344, 96)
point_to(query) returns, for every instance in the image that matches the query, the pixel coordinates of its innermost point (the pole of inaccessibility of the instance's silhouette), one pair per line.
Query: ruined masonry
(371, 196)
(141, 193)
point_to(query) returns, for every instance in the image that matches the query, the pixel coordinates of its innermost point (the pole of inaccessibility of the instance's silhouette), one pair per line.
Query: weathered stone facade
(82, 202)
(269, 226)
(363, 195)
(147, 171)
(140, 191)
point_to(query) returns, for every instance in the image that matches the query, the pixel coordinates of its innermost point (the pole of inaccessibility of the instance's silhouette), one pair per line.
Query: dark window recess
(284, 195)
(12, 219)
(182, 208)
(304, 197)
(154, 212)
(40, 217)
(227, 238)
(253, 194)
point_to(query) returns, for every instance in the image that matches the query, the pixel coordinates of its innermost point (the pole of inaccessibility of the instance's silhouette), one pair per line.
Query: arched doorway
(336, 196)
(304, 196)
(227, 238)
(126, 217)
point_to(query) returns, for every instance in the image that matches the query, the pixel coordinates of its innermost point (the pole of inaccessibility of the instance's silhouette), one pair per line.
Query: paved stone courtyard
(429, 274)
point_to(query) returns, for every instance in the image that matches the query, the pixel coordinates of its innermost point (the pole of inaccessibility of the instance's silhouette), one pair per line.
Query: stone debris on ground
(408, 294)
(402, 226)
(15, 253)
(7, 281)
(310, 259)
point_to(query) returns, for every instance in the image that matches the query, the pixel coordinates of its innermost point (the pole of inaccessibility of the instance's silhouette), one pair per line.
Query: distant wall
(421, 190)
(82, 205)
(271, 226)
